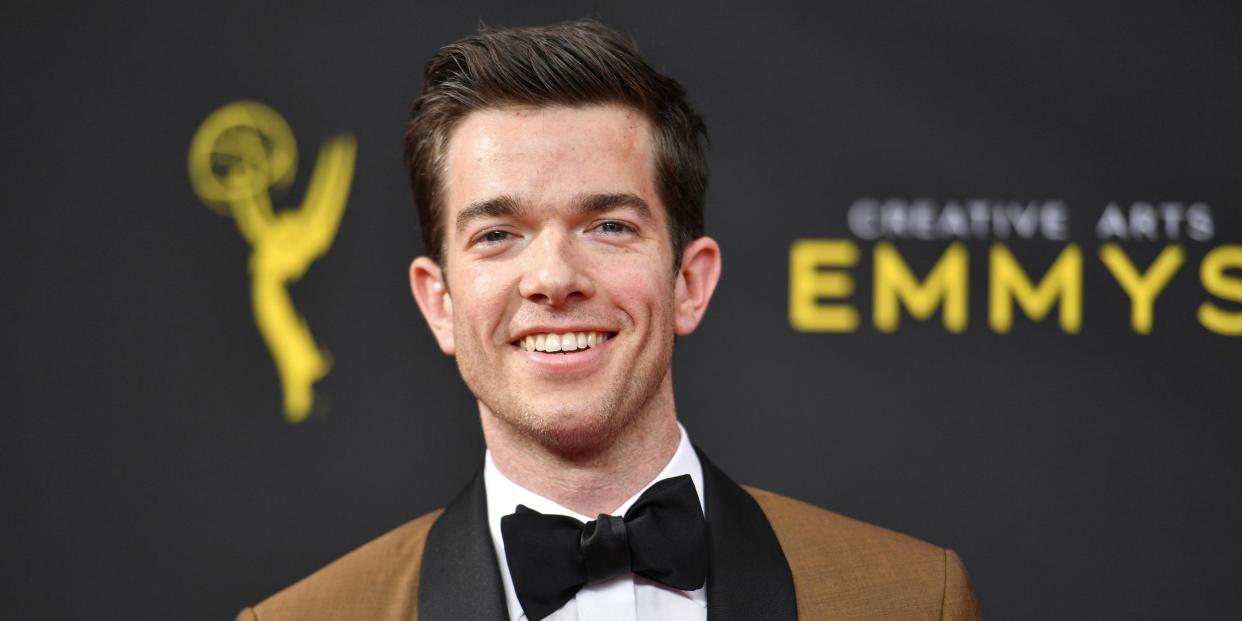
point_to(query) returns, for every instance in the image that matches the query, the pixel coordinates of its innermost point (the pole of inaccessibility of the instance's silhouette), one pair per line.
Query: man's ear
(431, 293)
(696, 281)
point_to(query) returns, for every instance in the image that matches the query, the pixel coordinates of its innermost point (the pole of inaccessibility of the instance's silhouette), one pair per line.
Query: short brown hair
(573, 63)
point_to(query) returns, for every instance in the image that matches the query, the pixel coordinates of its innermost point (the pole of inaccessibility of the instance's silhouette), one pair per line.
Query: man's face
(556, 239)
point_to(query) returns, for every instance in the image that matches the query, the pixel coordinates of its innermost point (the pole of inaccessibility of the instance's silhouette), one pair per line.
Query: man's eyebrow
(503, 205)
(508, 206)
(598, 203)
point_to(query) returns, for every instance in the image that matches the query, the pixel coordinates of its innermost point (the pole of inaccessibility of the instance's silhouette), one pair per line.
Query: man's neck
(601, 477)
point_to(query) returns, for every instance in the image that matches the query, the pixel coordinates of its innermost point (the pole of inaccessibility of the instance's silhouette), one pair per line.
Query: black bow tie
(663, 537)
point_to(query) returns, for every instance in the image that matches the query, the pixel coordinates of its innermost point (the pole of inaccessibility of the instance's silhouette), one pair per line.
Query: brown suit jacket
(838, 568)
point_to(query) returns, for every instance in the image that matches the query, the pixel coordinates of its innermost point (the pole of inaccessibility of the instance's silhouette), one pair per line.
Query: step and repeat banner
(982, 285)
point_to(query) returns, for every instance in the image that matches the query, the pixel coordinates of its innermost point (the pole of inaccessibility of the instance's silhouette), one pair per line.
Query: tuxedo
(770, 557)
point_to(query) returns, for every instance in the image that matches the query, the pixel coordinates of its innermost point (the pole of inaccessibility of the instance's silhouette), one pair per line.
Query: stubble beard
(573, 429)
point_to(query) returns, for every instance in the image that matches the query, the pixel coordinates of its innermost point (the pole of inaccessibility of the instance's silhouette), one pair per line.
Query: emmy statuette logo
(239, 153)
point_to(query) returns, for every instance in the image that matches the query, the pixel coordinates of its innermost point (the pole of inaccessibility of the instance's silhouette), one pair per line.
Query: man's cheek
(639, 285)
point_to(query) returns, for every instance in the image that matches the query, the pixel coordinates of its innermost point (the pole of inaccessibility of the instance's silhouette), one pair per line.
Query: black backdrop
(148, 471)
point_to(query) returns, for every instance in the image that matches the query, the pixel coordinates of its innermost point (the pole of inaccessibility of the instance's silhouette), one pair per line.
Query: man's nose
(554, 272)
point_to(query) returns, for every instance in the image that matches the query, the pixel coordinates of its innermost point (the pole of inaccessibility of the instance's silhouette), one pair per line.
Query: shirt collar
(503, 496)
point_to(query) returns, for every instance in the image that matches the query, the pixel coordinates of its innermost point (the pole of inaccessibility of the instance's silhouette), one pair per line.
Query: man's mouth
(562, 343)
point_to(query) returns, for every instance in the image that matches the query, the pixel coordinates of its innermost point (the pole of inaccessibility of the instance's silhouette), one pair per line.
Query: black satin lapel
(748, 577)
(460, 578)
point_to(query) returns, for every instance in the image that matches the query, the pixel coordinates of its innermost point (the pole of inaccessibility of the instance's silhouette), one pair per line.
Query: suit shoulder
(806, 525)
(379, 580)
(857, 570)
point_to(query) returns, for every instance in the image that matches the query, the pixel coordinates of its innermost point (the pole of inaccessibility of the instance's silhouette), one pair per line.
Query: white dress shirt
(623, 598)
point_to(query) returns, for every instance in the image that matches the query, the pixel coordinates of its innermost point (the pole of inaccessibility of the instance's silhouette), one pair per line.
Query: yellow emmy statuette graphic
(239, 153)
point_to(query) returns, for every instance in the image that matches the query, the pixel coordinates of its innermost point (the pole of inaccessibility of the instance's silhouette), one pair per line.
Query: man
(560, 185)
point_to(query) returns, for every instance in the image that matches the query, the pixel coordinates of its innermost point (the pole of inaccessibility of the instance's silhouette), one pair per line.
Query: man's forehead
(616, 121)
(538, 154)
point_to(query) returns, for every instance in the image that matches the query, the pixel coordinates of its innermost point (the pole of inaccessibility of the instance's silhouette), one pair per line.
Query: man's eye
(614, 228)
(492, 237)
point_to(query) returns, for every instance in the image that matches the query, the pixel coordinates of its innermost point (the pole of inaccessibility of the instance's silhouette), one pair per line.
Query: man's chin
(567, 430)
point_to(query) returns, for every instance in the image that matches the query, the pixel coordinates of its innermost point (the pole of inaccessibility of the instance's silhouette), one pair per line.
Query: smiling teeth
(570, 341)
